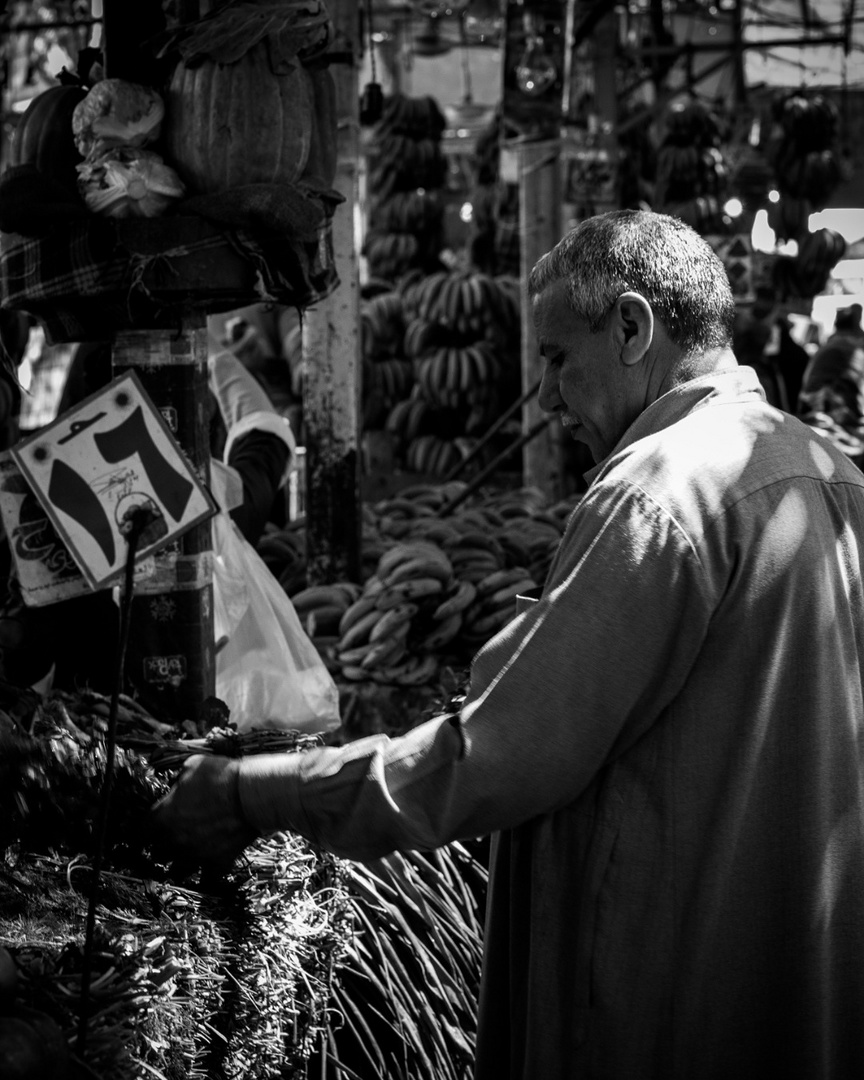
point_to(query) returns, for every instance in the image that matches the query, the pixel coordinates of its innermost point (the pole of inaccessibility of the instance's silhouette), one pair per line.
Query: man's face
(584, 380)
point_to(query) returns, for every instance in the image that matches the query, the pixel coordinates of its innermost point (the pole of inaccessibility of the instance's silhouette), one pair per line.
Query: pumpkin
(43, 136)
(241, 123)
(320, 171)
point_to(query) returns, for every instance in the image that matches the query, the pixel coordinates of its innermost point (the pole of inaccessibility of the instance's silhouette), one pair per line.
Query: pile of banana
(471, 304)
(283, 549)
(320, 609)
(434, 589)
(408, 610)
(406, 169)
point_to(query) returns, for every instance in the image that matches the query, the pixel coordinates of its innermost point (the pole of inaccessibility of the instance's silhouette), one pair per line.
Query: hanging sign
(100, 463)
(590, 177)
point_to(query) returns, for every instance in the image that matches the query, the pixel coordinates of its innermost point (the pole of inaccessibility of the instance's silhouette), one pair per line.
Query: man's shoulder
(715, 458)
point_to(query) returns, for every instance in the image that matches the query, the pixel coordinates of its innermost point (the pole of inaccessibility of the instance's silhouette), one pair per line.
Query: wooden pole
(540, 225)
(331, 351)
(604, 44)
(170, 658)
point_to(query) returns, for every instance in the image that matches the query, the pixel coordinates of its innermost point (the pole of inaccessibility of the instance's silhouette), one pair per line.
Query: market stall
(373, 244)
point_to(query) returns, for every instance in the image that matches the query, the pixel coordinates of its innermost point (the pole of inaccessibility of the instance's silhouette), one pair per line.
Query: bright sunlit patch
(762, 236)
(848, 222)
(821, 457)
(783, 538)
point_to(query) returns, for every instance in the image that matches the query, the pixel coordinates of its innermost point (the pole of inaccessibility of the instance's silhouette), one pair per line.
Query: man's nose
(549, 399)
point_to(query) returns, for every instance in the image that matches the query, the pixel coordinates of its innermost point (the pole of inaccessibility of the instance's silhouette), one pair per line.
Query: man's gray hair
(655, 255)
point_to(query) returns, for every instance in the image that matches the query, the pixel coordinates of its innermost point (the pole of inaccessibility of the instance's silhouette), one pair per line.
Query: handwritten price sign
(101, 462)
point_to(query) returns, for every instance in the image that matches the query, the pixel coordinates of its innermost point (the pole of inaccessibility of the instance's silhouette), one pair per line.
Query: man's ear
(633, 326)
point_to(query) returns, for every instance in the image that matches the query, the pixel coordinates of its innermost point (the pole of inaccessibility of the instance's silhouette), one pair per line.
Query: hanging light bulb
(536, 70)
(483, 21)
(435, 9)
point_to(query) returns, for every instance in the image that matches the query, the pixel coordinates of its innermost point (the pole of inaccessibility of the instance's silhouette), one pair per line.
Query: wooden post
(604, 44)
(331, 351)
(170, 657)
(540, 225)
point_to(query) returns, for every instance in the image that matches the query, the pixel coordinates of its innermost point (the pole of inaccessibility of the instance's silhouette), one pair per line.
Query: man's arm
(568, 684)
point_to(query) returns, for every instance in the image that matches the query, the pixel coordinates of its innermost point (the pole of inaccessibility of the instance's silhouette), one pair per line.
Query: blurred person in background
(832, 388)
(44, 370)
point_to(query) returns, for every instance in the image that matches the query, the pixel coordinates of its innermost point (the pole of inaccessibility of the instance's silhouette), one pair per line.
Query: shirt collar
(729, 384)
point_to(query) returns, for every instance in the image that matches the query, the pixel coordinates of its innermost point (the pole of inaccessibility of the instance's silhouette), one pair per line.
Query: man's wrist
(268, 792)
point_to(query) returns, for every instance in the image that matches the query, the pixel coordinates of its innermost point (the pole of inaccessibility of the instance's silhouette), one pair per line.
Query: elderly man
(667, 747)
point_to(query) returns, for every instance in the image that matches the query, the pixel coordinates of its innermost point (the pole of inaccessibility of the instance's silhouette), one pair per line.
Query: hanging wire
(371, 40)
(467, 93)
(138, 521)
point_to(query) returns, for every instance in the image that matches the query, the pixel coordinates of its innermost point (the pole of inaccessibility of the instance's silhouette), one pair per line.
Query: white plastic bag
(268, 672)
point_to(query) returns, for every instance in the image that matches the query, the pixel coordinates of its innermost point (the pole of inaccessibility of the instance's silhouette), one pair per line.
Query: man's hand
(201, 818)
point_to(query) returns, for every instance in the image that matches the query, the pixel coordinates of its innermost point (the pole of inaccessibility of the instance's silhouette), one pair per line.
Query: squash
(227, 125)
(43, 136)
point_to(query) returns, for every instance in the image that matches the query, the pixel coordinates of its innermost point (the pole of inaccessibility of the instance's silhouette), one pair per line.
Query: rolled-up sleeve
(565, 686)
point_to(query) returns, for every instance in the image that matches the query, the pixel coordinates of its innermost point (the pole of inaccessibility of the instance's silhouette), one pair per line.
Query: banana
(355, 655)
(388, 651)
(392, 620)
(442, 634)
(412, 589)
(322, 620)
(396, 505)
(416, 414)
(428, 292)
(354, 673)
(489, 625)
(352, 590)
(394, 525)
(277, 546)
(466, 370)
(362, 606)
(499, 579)
(462, 598)
(509, 593)
(397, 418)
(424, 377)
(316, 596)
(372, 585)
(452, 299)
(359, 632)
(474, 295)
(423, 492)
(393, 557)
(473, 537)
(474, 570)
(438, 374)
(454, 356)
(422, 566)
(438, 532)
(418, 671)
